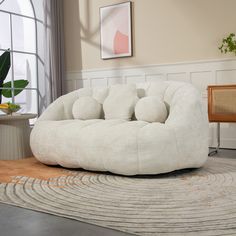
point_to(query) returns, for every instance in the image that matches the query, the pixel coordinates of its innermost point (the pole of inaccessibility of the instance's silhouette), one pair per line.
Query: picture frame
(116, 30)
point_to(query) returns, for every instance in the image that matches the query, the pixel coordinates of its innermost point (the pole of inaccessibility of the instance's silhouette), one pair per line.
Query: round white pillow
(86, 108)
(151, 109)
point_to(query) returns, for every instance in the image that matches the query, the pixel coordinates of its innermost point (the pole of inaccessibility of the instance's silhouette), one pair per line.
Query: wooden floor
(29, 167)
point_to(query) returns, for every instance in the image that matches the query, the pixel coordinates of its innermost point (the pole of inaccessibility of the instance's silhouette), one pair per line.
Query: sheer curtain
(50, 43)
(54, 47)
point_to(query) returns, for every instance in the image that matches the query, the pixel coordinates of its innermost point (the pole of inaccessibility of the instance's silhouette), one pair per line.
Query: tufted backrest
(164, 90)
(171, 92)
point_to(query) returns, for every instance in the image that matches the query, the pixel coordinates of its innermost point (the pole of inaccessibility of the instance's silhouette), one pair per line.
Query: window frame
(34, 18)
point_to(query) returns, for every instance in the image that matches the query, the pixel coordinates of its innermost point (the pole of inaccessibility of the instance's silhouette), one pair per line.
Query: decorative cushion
(86, 108)
(120, 102)
(151, 109)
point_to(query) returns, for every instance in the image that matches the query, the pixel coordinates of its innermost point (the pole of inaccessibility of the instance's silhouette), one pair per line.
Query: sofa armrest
(61, 108)
(189, 122)
(186, 108)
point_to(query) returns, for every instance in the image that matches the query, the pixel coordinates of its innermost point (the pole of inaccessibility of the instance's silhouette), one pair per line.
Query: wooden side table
(14, 136)
(221, 107)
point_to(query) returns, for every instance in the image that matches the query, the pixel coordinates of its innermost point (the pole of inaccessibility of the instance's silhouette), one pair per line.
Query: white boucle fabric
(120, 102)
(121, 146)
(151, 109)
(86, 108)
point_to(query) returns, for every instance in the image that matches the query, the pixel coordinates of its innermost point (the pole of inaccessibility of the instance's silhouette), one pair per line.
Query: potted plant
(228, 44)
(19, 85)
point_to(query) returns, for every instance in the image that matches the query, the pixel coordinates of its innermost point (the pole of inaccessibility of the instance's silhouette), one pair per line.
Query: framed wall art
(116, 31)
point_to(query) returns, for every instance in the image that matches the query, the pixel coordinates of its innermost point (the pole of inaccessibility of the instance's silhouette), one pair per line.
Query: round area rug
(190, 202)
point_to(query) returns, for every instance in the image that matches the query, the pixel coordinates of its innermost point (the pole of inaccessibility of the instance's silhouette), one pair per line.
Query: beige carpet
(190, 202)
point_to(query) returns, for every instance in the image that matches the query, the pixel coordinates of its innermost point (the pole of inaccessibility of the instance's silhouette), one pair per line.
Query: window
(18, 32)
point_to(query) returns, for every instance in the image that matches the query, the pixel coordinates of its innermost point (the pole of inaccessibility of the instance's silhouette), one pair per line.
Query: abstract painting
(116, 32)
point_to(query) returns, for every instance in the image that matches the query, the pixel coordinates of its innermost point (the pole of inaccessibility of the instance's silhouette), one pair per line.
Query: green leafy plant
(19, 85)
(228, 44)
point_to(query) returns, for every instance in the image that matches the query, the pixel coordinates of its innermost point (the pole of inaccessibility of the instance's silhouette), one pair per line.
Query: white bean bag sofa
(121, 146)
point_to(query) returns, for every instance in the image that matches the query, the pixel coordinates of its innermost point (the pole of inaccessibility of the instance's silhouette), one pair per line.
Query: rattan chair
(221, 107)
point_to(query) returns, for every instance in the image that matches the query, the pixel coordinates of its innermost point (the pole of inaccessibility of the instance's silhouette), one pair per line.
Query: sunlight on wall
(165, 31)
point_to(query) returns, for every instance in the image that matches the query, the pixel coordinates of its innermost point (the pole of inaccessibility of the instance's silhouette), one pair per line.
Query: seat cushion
(86, 108)
(120, 102)
(151, 109)
(118, 146)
